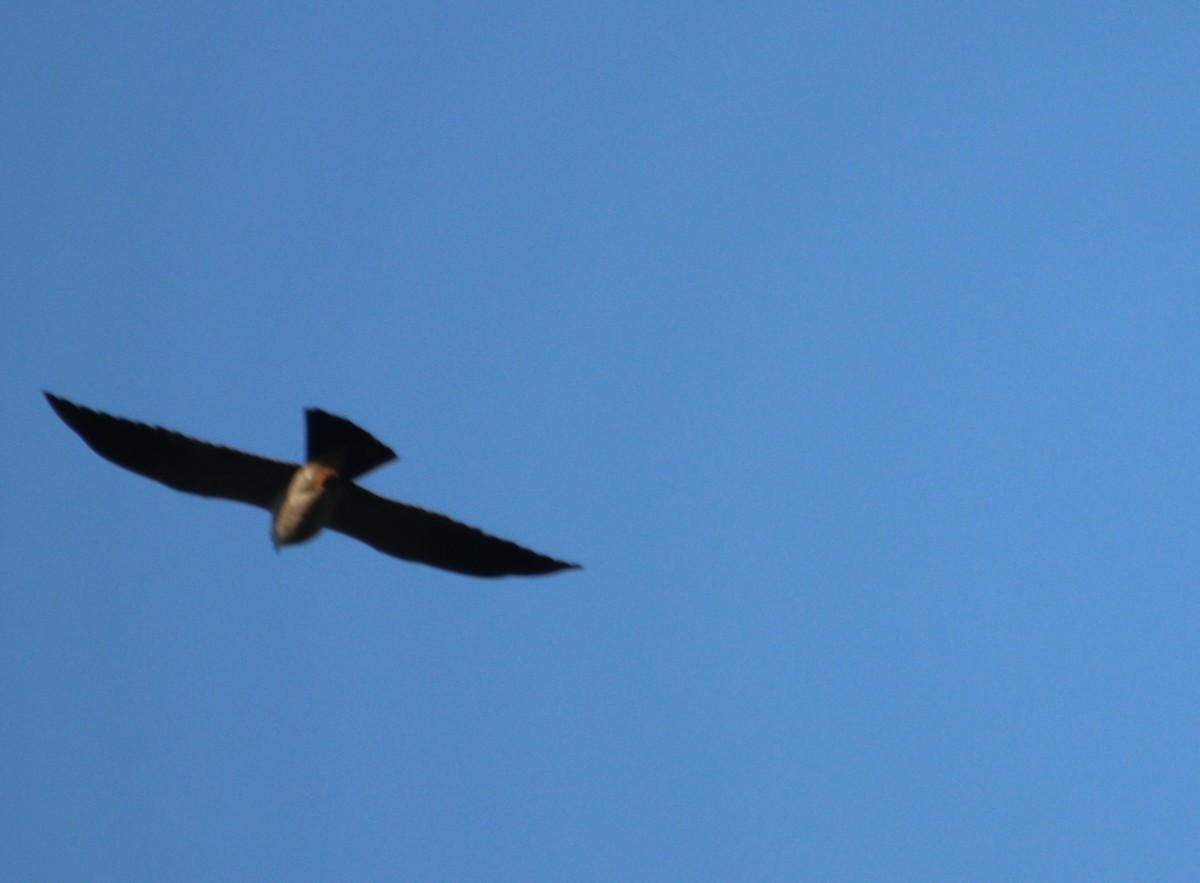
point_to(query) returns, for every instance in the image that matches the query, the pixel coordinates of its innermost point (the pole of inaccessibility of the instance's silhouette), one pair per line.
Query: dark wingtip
(557, 567)
(61, 406)
(541, 565)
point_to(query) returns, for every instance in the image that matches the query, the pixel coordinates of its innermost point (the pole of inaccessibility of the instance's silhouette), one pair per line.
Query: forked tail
(337, 442)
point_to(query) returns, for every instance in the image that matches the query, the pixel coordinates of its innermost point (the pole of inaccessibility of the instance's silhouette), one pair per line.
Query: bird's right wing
(417, 534)
(183, 463)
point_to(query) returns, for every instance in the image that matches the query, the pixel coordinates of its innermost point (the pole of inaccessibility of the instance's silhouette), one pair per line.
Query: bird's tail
(337, 442)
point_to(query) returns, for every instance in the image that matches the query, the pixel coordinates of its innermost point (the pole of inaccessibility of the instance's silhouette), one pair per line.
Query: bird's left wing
(179, 462)
(417, 534)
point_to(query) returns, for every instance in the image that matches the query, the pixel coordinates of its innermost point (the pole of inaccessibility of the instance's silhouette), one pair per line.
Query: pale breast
(306, 506)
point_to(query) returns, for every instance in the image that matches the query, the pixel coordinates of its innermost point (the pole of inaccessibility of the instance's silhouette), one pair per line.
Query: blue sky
(853, 348)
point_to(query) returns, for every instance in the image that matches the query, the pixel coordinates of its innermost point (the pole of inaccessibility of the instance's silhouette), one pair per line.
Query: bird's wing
(177, 461)
(417, 534)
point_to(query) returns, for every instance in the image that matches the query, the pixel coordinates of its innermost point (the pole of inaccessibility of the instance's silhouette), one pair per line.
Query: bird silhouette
(304, 498)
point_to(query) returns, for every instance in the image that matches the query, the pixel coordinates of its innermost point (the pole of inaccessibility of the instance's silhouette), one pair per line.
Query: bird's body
(304, 498)
(306, 506)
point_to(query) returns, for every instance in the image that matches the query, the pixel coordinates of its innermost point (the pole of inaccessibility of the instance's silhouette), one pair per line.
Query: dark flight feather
(178, 461)
(416, 534)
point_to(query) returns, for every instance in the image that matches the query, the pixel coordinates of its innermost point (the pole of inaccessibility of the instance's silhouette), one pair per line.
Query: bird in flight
(303, 498)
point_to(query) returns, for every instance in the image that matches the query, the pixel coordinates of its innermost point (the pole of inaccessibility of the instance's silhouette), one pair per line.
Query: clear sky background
(854, 348)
